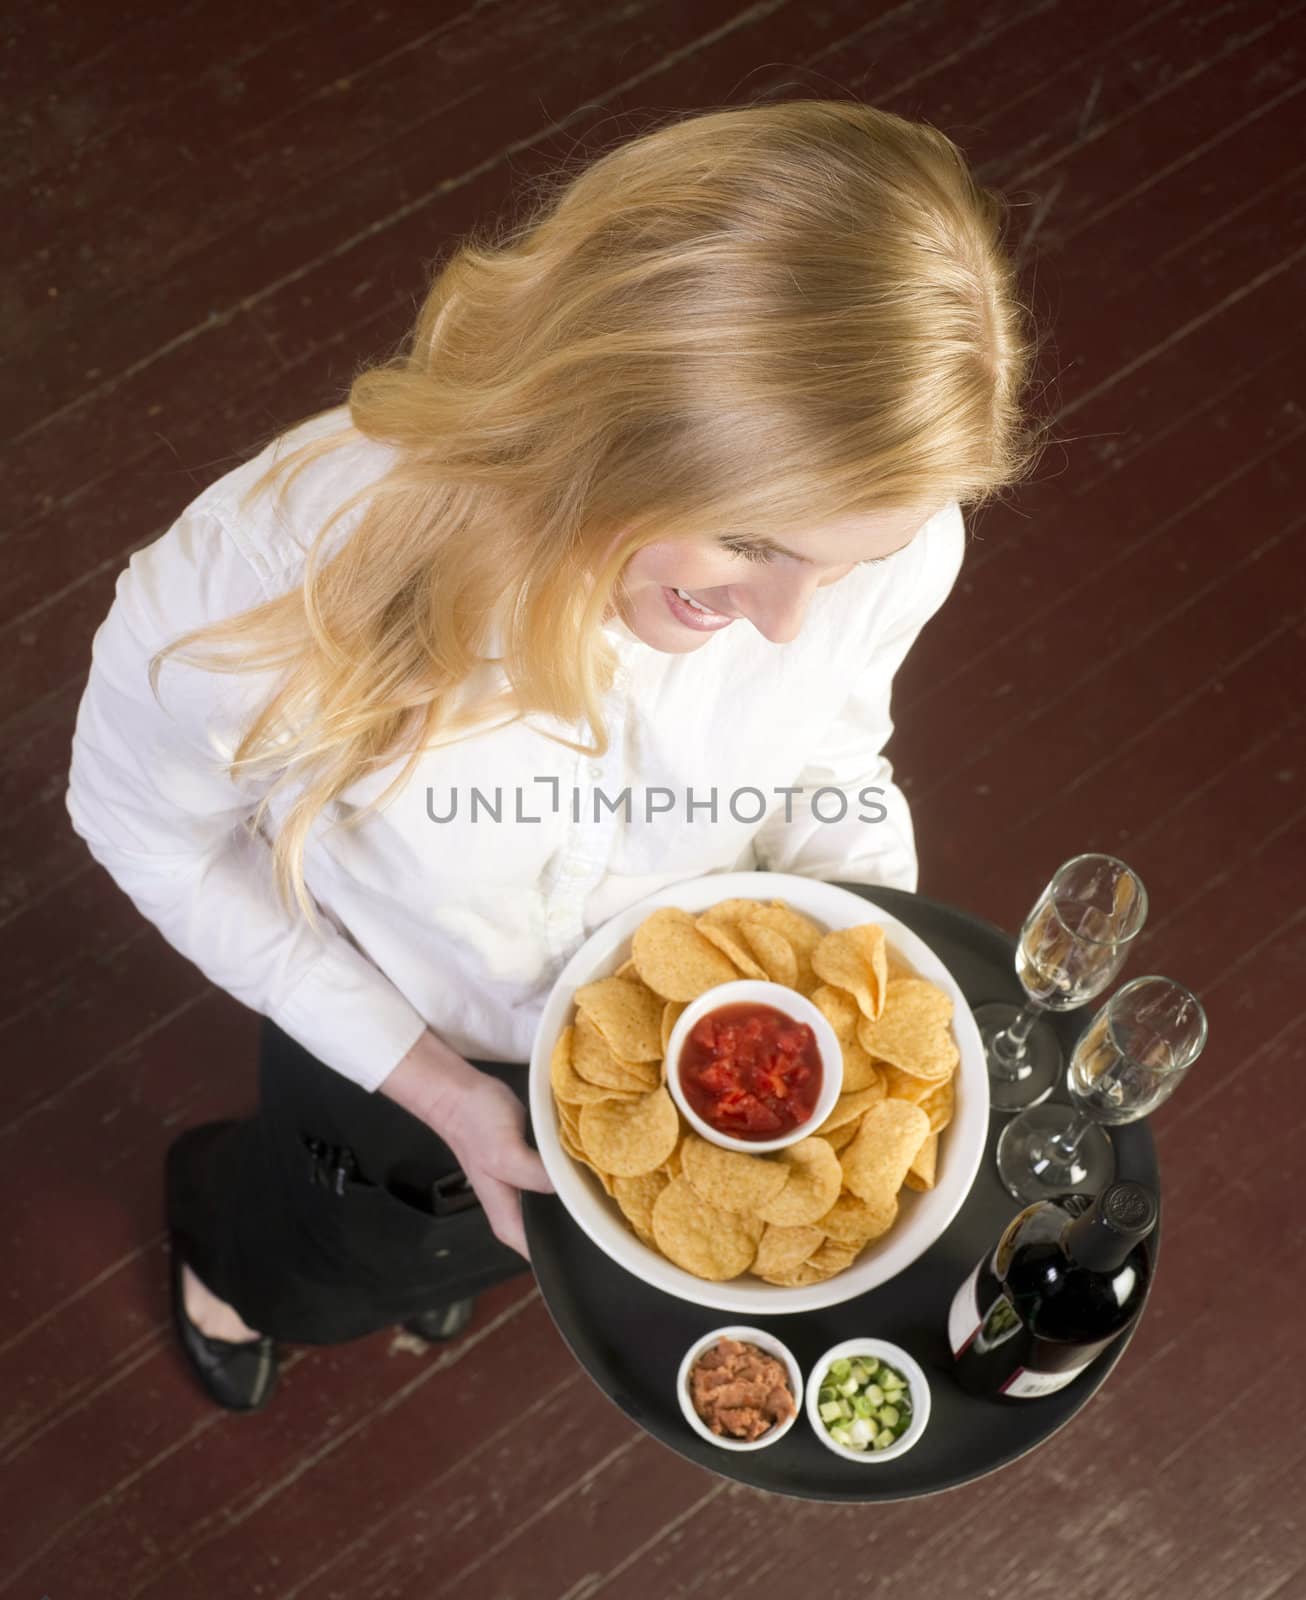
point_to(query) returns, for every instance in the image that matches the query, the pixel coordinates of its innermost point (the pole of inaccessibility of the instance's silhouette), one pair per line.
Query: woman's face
(770, 588)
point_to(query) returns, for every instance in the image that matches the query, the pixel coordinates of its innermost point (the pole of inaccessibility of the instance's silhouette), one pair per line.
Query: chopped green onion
(864, 1403)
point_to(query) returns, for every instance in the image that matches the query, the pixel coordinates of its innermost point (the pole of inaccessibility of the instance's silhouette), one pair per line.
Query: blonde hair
(745, 321)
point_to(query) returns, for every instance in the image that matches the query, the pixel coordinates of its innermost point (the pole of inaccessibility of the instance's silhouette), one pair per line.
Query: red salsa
(750, 1071)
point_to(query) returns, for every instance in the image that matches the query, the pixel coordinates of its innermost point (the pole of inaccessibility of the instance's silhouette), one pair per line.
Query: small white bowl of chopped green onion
(867, 1400)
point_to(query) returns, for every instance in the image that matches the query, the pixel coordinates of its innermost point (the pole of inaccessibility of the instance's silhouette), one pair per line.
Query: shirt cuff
(350, 1016)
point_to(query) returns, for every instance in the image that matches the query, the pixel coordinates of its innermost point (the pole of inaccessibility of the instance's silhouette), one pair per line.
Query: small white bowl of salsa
(753, 1066)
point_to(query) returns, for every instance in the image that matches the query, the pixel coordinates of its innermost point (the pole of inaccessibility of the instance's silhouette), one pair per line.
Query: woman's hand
(482, 1122)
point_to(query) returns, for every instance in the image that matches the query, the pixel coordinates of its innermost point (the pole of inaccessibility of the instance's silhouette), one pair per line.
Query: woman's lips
(703, 621)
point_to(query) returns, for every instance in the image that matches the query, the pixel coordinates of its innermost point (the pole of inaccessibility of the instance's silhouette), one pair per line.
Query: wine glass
(1132, 1056)
(1073, 944)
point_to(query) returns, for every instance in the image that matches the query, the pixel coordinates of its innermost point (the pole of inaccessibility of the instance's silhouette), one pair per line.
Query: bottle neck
(1120, 1216)
(1092, 1244)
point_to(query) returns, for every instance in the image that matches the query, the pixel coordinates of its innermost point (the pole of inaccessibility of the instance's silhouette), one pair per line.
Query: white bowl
(896, 1356)
(794, 1005)
(773, 1347)
(922, 1218)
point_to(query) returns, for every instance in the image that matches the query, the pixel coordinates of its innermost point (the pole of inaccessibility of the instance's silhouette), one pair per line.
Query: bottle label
(964, 1317)
(1025, 1385)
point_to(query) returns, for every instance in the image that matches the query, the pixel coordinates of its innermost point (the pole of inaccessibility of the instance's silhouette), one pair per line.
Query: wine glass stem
(1056, 1154)
(1009, 1045)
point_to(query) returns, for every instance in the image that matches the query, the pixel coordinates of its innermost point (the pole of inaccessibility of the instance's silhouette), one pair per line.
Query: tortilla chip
(939, 1104)
(920, 1175)
(628, 1015)
(725, 936)
(674, 959)
(844, 1134)
(900, 1085)
(849, 1106)
(772, 951)
(799, 932)
(782, 1249)
(832, 1256)
(839, 1009)
(673, 1165)
(636, 1195)
(878, 1159)
(568, 1085)
(627, 1137)
(570, 1142)
(700, 1237)
(815, 1178)
(593, 1060)
(913, 1033)
(854, 959)
(729, 1178)
(852, 1221)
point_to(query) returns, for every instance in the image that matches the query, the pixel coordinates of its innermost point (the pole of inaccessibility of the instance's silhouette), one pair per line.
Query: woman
(676, 465)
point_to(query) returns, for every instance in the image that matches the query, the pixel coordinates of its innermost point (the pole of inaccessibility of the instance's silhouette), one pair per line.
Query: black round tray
(630, 1337)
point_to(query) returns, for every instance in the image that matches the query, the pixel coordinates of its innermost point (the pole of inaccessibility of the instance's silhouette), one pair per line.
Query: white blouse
(437, 914)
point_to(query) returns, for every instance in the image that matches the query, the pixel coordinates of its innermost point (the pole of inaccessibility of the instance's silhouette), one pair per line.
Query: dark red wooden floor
(217, 208)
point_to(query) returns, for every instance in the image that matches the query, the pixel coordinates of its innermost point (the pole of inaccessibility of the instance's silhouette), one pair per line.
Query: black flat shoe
(240, 1374)
(433, 1326)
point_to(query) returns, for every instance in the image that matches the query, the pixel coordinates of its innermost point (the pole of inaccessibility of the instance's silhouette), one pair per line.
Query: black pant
(315, 1219)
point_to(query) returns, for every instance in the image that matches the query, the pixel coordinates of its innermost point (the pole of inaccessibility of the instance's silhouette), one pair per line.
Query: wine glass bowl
(1128, 1062)
(1071, 947)
(1131, 1057)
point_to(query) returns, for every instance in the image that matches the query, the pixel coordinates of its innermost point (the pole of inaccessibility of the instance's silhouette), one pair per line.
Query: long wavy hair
(745, 321)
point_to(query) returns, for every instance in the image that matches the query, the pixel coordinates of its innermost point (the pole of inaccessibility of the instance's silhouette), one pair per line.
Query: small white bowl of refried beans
(740, 1388)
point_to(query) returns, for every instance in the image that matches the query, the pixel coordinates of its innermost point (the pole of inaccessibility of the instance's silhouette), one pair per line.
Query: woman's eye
(750, 552)
(872, 561)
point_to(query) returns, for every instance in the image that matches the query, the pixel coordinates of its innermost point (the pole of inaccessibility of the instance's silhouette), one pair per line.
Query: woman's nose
(776, 605)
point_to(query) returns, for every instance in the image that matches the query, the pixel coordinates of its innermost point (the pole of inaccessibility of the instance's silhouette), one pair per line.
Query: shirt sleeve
(866, 838)
(149, 793)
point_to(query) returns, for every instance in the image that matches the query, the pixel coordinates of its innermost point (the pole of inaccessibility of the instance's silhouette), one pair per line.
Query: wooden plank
(463, 130)
(75, 1027)
(184, 1467)
(1084, 658)
(1165, 62)
(49, 44)
(110, 1140)
(151, 99)
(974, 651)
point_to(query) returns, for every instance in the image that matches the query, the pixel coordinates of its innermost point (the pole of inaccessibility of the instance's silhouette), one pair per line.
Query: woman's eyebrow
(761, 541)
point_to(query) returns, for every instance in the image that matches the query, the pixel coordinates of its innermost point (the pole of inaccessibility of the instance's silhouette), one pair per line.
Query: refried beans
(740, 1391)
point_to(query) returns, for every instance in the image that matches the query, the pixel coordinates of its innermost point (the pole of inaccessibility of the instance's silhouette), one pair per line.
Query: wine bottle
(1066, 1278)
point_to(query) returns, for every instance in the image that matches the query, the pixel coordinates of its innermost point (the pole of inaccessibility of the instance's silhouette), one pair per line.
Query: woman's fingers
(521, 1166)
(502, 1211)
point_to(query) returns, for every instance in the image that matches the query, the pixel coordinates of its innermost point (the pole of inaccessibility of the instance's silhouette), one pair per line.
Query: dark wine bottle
(1066, 1278)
